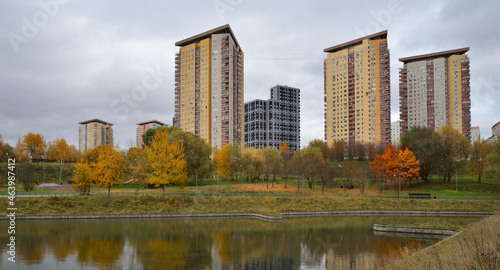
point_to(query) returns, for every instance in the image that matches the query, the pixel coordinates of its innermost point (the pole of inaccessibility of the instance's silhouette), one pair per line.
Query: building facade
(434, 91)
(143, 127)
(209, 86)
(475, 133)
(271, 122)
(495, 133)
(396, 132)
(93, 133)
(357, 91)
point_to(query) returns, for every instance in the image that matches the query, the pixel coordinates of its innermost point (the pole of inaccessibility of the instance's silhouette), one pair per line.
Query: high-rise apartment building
(270, 122)
(357, 91)
(143, 127)
(434, 91)
(475, 133)
(209, 86)
(93, 133)
(395, 132)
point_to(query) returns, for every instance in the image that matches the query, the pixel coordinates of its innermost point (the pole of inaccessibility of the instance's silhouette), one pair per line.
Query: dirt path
(307, 190)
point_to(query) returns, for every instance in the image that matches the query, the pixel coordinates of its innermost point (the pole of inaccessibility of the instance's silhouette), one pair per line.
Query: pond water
(295, 243)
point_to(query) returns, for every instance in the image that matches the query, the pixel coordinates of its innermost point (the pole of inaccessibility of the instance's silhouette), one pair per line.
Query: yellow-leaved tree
(167, 165)
(222, 161)
(109, 167)
(84, 178)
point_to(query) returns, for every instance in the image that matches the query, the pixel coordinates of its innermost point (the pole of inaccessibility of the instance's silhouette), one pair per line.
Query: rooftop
(95, 120)
(434, 55)
(151, 121)
(379, 35)
(225, 29)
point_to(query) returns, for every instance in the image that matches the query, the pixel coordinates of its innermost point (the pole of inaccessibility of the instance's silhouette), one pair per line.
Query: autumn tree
(253, 163)
(454, 151)
(273, 163)
(493, 160)
(338, 150)
(394, 165)
(286, 152)
(6, 150)
(84, 177)
(167, 165)
(31, 146)
(109, 167)
(26, 175)
(59, 150)
(196, 152)
(222, 161)
(478, 162)
(326, 171)
(408, 165)
(306, 161)
(136, 166)
(426, 144)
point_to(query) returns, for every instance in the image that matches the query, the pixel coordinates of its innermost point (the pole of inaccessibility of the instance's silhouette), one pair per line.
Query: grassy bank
(478, 247)
(271, 205)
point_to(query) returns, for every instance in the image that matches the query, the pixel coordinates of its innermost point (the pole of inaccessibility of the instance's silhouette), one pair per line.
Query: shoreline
(272, 218)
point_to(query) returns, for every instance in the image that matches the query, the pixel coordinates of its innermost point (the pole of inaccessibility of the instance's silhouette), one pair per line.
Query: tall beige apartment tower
(357, 91)
(434, 91)
(93, 133)
(209, 86)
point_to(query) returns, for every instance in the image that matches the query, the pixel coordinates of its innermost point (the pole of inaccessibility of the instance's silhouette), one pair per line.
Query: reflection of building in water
(362, 260)
(274, 263)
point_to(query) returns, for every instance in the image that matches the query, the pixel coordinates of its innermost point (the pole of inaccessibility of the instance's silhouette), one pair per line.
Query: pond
(294, 243)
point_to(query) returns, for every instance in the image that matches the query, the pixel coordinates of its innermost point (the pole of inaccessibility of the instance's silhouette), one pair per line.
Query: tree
(478, 163)
(147, 137)
(306, 161)
(408, 165)
(454, 151)
(137, 165)
(6, 150)
(426, 144)
(59, 150)
(167, 165)
(31, 146)
(273, 163)
(338, 150)
(222, 161)
(493, 160)
(285, 152)
(26, 176)
(326, 172)
(196, 152)
(84, 178)
(109, 167)
(349, 172)
(403, 164)
(253, 163)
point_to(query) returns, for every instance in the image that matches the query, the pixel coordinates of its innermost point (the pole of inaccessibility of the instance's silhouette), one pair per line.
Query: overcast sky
(66, 61)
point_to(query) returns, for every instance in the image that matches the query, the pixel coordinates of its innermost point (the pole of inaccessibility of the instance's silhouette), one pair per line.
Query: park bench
(419, 195)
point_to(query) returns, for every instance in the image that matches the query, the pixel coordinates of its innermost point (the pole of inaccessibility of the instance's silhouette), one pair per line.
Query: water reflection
(304, 243)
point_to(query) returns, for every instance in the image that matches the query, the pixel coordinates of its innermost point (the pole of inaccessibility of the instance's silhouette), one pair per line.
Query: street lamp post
(196, 181)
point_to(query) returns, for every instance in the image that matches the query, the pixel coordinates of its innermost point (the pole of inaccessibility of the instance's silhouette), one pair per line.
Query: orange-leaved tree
(408, 166)
(109, 167)
(392, 165)
(167, 165)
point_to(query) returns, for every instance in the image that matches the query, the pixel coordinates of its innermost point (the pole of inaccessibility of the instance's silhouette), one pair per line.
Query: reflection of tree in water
(104, 251)
(201, 243)
(388, 250)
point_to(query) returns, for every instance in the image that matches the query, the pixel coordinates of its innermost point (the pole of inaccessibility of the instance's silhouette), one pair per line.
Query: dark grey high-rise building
(270, 122)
